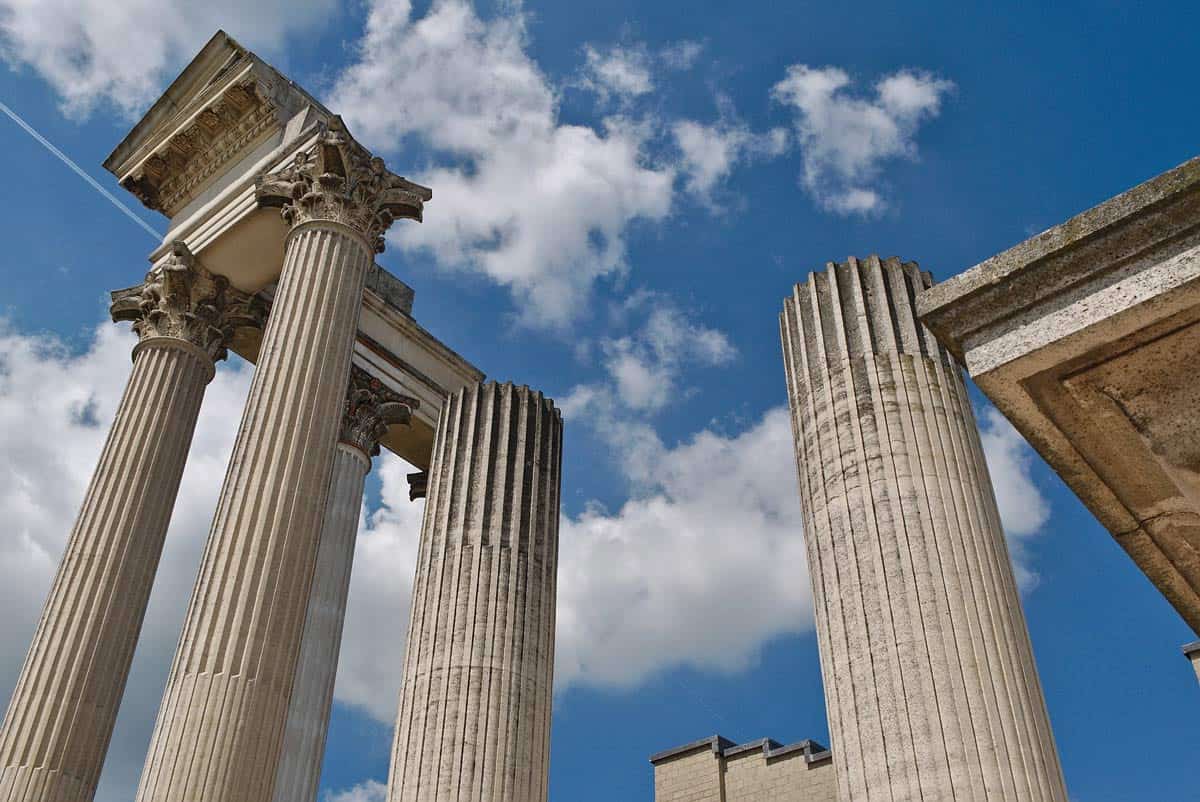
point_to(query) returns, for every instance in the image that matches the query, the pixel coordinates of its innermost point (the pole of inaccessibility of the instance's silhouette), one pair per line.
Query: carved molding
(236, 119)
(338, 180)
(181, 299)
(418, 485)
(370, 408)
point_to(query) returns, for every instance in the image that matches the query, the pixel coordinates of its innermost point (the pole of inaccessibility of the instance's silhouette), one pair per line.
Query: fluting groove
(473, 724)
(929, 675)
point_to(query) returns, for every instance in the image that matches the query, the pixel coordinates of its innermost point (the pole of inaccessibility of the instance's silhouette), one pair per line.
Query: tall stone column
(222, 718)
(61, 716)
(369, 409)
(474, 720)
(930, 683)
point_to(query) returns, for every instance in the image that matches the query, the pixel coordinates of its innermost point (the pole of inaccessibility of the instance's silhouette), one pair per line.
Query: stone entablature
(1087, 337)
(718, 770)
(225, 103)
(210, 180)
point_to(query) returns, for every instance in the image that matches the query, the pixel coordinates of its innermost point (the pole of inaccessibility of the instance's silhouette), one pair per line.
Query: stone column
(61, 716)
(474, 720)
(930, 683)
(369, 409)
(222, 718)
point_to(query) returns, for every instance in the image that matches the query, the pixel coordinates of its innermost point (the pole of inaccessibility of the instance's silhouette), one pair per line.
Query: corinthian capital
(369, 409)
(338, 180)
(182, 300)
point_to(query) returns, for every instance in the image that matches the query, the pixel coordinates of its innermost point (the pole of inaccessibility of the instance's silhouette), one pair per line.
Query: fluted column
(222, 718)
(474, 720)
(930, 683)
(369, 409)
(61, 716)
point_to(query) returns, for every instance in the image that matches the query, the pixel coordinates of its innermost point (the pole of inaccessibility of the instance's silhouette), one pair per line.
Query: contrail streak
(79, 171)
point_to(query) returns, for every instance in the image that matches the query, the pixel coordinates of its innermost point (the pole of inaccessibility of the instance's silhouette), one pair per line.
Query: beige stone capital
(180, 300)
(370, 408)
(339, 181)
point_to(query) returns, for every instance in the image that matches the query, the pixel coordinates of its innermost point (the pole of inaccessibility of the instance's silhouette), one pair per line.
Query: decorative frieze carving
(370, 408)
(235, 120)
(181, 299)
(338, 180)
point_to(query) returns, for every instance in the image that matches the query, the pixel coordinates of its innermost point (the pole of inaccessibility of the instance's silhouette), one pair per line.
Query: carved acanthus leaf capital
(370, 408)
(338, 180)
(183, 300)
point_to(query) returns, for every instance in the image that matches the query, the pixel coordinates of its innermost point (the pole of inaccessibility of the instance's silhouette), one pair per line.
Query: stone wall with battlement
(717, 770)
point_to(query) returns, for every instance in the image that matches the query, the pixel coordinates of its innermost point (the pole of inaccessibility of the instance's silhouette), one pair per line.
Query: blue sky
(623, 194)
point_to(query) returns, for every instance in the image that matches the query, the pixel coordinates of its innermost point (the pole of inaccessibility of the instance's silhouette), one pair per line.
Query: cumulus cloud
(709, 152)
(643, 368)
(1024, 510)
(681, 55)
(619, 71)
(56, 407)
(701, 569)
(846, 138)
(95, 51)
(534, 204)
(369, 791)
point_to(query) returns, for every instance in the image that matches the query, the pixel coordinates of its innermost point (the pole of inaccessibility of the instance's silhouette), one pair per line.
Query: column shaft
(222, 718)
(930, 683)
(474, 720)
(61, 716)
(312, 692)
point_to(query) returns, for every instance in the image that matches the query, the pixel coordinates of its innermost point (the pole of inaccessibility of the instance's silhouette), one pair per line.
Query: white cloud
(846, 139)
(702, 569)
(97, 51)
(681, 55)
(645, 367)
(619, 71)
(56, 408)
(710, 152)
(534, 204)
(369, 791)
(1024, 510)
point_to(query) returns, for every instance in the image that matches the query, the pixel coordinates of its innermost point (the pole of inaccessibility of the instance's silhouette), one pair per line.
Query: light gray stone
(61, 716)
(369, 411)
(717, 770)
(1087, 337)
(474, 717)
(930, 683)
(221, 724)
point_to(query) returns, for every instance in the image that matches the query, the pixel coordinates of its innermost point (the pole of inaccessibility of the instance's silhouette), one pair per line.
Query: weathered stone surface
(62, 713)
(929, 676)
(1087, 337)
(717, 770)
(368, 411)
(221, 724)
(338, 181)
(474, 719)
(226, 121)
